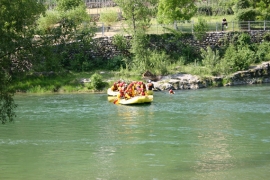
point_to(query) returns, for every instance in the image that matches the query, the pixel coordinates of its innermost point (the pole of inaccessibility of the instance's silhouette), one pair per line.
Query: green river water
(216, 134)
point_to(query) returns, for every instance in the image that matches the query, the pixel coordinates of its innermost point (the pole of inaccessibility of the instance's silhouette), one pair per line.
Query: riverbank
(69, 82)
(254, 75)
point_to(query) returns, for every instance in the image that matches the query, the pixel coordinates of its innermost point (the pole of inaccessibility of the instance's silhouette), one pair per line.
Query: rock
(85, 80)
(254, 75)
(149, 75)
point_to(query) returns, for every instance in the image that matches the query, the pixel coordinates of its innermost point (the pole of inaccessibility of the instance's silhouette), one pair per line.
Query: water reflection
(204, 134)
(214, 147)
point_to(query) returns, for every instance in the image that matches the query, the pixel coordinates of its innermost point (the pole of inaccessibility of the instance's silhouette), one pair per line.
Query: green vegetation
(200, 29)
(108, 18)
(17, 24)
(175, 10)
(51, 50)
(66, 82)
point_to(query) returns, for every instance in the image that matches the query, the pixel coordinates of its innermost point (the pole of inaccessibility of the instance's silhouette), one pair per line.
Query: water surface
(219, 133)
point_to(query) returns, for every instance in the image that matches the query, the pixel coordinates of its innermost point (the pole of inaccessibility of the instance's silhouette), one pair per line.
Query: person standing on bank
(224, 23)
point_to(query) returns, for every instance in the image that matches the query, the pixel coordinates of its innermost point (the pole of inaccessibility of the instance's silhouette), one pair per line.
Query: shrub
(205, 10)
(246, 15)
(200, 29)
(210, 59)
(237, 59)
(242, 4)
(96, 81)
(263, 52)
(64, 5)
(108, 18)
(266, 36)
(47, 21)
(120, 42)
(244, 39)
(159, 63)
(115, 63)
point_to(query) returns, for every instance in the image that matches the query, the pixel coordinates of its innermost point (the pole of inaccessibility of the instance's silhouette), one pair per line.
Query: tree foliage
(175, 10)
(200, 29)
(263, 8)
(246, 15)
(60, 27)
(17, 25)
(65, 5)
(138, 13)
(108, 17)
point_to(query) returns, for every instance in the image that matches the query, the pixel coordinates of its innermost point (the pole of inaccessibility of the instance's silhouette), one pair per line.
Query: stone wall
(258, 74)
(168, 42)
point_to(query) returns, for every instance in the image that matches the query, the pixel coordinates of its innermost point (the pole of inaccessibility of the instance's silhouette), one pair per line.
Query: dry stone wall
(104, 47)
(259, 74)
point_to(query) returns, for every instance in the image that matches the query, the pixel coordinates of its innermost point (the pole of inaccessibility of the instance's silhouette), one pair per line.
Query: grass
(68, 83)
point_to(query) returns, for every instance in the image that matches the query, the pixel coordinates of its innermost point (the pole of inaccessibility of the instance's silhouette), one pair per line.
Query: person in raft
(171, 91)
(150, 85)
(114, 87)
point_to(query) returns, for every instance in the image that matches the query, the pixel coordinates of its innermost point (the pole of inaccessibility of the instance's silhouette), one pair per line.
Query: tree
(175, 10)
(200, 29)
(16, 33)
(68, 26)
(64, 5)
(109, 18)
(138, 13)
(263, 9)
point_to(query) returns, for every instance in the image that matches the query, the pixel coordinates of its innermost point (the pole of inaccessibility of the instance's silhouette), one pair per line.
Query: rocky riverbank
(255, 75)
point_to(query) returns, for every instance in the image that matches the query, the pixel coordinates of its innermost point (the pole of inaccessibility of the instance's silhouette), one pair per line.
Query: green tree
(175, 10)
(210, 58)
(96, 81)
(64, 5)
(263, 8)
(67, 24)
(17, 25)
(138, 13)
(108, 18)
(200, 29)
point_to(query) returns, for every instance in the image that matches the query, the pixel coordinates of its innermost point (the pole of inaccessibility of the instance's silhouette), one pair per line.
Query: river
(216, 133)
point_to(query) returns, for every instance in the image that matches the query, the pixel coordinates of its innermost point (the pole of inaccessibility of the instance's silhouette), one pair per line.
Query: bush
(246, 15)
(200, 29)
(47, 21)
(266, 37)
(237, 59)
(210, 59)
(115, 63)
(65, 5)
(159, 63)
(205, 10)
(96, 81)
(244, 39)
(108, 18)
(242, 4)
(120, 42)
(263, 52)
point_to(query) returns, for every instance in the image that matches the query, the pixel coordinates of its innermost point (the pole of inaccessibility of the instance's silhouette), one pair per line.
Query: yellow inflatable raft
(134, 100)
